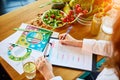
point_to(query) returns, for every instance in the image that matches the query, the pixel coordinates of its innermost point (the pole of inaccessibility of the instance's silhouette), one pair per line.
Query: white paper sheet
(69, 56)
(17, 65)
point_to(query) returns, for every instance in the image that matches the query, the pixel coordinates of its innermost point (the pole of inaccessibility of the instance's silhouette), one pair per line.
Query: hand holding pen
(62, 37)
(67, 39)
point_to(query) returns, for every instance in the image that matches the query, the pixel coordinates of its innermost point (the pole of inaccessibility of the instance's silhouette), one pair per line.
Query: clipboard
(69, 57)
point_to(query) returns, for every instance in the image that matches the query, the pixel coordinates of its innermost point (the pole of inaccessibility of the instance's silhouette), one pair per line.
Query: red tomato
(77, 5)
(85, 12)
(46, 16)
(71, 12)
(68, 15)
(52, 16)
(72, 18)
(72, 15)
(68, 18)
(65, 20)
(78, 10)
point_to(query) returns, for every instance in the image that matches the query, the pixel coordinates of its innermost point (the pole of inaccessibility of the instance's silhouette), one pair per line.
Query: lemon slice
(29, 67)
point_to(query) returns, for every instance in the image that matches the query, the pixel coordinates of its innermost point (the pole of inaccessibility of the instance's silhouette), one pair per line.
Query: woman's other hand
(45, 68)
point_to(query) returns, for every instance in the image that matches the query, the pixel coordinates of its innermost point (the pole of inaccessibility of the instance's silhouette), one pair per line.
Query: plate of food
(53, 18)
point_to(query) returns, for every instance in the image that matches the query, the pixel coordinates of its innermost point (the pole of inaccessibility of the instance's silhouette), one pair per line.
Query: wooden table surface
(25, 15)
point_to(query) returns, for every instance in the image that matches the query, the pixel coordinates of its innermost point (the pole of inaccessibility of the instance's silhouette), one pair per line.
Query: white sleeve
(107, 74)
(57, 78)
(100, 47)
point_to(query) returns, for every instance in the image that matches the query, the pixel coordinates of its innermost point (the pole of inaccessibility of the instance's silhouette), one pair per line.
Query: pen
(54, 38)
(46, 56)
(68, 30)
(45, 51)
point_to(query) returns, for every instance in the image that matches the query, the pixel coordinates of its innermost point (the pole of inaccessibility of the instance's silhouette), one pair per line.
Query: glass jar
(96, 23)
(109, 20)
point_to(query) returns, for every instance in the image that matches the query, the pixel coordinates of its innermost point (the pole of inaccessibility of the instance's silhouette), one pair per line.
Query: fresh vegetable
(70, 17)
(78, 9)
(67, 8)
(72, 3)
(58, 6)
(93, 6)
(57, 1)
(52, 1)
(53, 18)
(74, 14)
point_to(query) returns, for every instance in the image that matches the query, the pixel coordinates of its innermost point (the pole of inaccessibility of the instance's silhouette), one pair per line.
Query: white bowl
(54, 10)
(84, 21)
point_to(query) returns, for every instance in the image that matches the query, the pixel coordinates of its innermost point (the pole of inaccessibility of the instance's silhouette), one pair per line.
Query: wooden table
(26, 14)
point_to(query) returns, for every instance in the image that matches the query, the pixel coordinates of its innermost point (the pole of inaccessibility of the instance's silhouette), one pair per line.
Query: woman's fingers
(40, 62)
(61, 36)
(64, 42)
(66, 37)
(68, 42)
(37, 61)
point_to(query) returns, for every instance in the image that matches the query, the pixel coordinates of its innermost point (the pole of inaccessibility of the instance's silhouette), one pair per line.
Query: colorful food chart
(53, 18)
(36, 38)
(18, 53)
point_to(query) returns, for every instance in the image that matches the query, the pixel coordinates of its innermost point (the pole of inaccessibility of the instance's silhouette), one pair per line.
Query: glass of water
(108, 21)
(107, 25)
(29, 67)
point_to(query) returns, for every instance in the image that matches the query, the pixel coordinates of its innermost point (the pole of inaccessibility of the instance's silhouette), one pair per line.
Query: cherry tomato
(85, 12)
(71, 12)
(52, 16)
(77, 5)
(65, 20)
(46, 16)
(68, 18)
(72, 18)
(78, 10)
(68, 15)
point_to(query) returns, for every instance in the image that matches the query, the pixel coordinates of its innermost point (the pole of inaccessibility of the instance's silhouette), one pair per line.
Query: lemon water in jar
(96, 23)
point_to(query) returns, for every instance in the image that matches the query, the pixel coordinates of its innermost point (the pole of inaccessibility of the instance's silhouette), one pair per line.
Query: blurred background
(9, 5)
(5, 7)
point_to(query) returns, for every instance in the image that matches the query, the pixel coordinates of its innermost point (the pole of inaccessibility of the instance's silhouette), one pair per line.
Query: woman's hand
(45, 68)
(69, 40)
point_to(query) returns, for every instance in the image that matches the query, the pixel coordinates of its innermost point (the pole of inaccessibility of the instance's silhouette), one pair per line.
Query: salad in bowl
(53, 18)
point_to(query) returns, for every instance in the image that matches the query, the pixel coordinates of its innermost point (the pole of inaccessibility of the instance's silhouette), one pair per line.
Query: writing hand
(69, 40)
